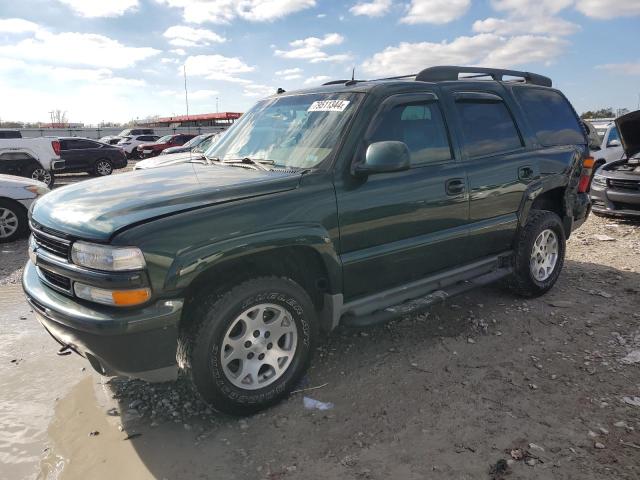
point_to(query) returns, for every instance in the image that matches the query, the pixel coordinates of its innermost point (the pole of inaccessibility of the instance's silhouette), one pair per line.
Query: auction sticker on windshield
(328, 106)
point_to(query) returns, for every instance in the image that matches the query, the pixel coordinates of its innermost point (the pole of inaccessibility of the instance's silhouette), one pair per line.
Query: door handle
(455, 186)
(525, 173)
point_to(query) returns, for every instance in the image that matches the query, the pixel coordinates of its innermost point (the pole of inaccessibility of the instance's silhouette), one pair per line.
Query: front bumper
(615, 203)
(138, 343)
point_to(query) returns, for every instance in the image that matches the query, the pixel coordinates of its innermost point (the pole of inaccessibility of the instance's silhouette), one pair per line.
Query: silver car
(16, 196)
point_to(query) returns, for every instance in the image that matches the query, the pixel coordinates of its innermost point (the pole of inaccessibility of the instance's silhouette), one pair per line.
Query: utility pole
(186, 96)
(217, 105)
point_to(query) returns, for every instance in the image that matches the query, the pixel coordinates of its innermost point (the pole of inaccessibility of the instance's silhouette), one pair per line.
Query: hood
(12, 181)
(96, 209)
(152, 145)
(177, 149)
(629, 130)
(168, 159)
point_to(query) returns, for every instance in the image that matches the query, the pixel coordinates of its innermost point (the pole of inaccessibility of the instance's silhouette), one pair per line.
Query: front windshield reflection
(297, 131)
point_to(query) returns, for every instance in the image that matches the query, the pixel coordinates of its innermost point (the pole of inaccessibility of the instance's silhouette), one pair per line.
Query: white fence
(97, 133)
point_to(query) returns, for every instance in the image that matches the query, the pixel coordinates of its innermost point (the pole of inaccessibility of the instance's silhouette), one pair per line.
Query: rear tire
(539, 254)
(13, 221)
(41, 174)
(246, 348)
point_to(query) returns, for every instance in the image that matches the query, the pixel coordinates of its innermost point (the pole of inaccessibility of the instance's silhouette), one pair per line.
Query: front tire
(103, 168)
(539, 254)
(13, 221)
(245, 349)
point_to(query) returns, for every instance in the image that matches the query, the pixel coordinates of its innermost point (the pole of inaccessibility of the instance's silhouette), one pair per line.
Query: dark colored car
(354, 202)
(10, 134)
(147, 150)
(615, 189)
(199, 142)
(85, 155)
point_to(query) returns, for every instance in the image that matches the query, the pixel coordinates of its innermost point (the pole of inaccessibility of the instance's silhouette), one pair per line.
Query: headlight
(37, 190)
(106, 257)
(32, 249)
(599, 180)
(116, 298)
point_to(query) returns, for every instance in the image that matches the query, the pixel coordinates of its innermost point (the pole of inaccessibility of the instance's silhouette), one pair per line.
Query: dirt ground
(485, 386)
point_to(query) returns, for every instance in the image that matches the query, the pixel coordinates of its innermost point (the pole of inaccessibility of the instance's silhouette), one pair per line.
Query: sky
(117, 60)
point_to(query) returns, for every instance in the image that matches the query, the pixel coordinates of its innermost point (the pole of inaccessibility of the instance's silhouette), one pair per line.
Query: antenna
(353, 74)
(186, 96)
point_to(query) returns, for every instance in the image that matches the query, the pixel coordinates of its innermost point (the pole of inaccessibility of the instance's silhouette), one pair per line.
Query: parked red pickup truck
(147, 150)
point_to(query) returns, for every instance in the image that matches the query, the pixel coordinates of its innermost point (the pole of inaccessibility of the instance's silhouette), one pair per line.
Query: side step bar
(423, 302)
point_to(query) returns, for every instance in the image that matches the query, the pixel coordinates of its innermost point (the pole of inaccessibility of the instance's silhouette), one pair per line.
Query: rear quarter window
(550, 115)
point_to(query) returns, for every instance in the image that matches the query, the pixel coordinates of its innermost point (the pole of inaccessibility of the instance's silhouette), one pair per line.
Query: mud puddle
(32, 377)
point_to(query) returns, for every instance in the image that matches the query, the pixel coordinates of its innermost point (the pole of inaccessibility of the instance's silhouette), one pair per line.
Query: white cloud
(531, 25)
(178, 51)
(317, 80)
(184, 36)
(202, 94)
(484, 49)
(218, 67)
(100, 8)
(628, 68)
(435, 11)
(76, 49)
(169, 60)
(224, 11)
(258, 90)
(375, 8)
(290, 73)
(17, 25)
(531, 7)
(605, 9)
(311, 49)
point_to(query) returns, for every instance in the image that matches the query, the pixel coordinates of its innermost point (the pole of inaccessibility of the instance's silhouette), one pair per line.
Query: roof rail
(444, 73)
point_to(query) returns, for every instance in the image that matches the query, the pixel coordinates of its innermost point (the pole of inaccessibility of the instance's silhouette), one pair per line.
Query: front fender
(191, 263)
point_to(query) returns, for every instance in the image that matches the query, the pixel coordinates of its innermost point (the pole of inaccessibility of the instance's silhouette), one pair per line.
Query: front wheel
(246, 349)
(13, 221)
(539, 255)
(102, 168)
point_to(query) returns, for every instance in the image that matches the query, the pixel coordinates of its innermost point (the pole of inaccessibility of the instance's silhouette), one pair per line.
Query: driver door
(402, 226)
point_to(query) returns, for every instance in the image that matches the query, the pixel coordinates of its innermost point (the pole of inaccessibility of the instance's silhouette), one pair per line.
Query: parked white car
(36, 158)
(16, 196)
(610, 148)
(129, 143)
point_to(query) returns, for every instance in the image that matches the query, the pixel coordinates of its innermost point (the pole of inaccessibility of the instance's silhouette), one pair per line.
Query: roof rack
(444, 73)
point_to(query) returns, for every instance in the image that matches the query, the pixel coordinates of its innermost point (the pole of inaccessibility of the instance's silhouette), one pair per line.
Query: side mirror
(384, 157)
(614, 143)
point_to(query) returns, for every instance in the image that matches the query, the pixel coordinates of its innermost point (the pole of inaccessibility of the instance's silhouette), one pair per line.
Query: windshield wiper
(250, 161)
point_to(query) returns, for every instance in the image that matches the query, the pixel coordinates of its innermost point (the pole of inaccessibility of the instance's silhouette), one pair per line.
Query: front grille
(624, 184)
(625, 206)
(51, 243)
(55, 280)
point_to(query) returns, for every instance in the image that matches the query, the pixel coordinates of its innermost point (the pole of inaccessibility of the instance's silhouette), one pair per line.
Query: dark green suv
(351, 203)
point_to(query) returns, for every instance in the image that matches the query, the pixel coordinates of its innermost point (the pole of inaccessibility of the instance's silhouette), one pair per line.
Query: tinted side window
(550, 116)
(146, 138)
(420, 125)
(10, 134)
(487, 127)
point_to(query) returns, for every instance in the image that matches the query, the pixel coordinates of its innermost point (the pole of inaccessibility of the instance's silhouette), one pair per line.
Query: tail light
(55, 144)
(585, 176)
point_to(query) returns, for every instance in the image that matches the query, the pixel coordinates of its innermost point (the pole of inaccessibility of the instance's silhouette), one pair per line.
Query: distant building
(222, 119)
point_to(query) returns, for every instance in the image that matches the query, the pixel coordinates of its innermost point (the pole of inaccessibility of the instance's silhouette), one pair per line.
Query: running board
(424, 302)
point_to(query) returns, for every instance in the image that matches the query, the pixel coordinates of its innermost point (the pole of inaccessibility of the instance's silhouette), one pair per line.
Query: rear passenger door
(498, 166)
(402, 226)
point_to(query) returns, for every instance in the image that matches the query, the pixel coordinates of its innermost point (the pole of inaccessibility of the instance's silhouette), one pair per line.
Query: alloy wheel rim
(259, 346)
(8, 222)
(41, 175)
(104, 168)
(544, 255)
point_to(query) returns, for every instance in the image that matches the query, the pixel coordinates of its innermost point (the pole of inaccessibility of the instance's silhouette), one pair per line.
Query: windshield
(298, 131)
(206, 143)
(164, 139)
(194, 141)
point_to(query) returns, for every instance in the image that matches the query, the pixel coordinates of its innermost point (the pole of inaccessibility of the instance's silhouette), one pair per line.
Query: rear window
(487, 127)
(10, 134)
(550, 115)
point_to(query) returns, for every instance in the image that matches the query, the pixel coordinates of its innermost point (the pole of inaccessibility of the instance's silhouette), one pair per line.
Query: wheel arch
(551, 195)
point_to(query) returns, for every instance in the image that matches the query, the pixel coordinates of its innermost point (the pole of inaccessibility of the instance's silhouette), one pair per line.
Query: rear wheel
(539, 256)
(247, 348)
(13, 221)
(103, 167)
(40, 174)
